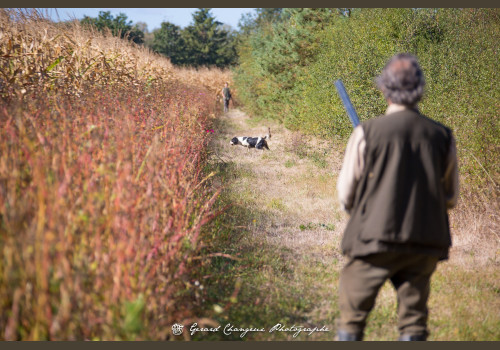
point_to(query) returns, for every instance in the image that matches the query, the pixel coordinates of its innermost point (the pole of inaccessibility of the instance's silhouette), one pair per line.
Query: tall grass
(102, 189)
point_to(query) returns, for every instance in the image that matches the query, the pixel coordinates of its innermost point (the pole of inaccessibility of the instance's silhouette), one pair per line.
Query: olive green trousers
(361, 279)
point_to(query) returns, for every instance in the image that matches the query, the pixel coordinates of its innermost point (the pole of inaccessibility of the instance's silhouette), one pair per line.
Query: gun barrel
(351, 112)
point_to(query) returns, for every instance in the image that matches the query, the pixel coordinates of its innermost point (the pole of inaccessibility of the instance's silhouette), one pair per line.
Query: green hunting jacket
(399, 202)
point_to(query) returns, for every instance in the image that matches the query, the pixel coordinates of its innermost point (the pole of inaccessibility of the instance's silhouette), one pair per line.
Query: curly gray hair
(402, 80)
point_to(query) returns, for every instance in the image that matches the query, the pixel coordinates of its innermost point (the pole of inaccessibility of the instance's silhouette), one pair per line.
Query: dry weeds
(39, 55)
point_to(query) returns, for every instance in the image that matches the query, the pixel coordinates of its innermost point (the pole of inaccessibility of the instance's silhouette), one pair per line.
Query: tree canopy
(119, 26)
(169, 42)
(250, 22)
(205, 42)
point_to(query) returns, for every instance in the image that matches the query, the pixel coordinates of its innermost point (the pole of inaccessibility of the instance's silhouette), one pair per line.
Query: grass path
(284, 228)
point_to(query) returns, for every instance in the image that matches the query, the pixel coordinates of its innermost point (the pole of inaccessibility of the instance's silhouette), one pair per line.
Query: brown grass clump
(103, 194)
(475, 224)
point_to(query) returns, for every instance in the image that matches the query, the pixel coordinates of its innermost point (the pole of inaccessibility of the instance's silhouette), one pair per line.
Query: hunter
(398, 179)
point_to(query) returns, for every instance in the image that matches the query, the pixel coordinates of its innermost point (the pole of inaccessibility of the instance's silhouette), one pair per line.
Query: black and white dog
(252, 142)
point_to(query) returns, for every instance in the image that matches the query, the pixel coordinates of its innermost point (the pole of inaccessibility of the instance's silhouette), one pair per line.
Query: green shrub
(457, 49)
(458, 53)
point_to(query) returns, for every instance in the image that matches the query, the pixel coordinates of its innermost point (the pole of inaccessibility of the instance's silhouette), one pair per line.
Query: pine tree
(251, 22)
(276, 54)
(206, 42)
(169, 42)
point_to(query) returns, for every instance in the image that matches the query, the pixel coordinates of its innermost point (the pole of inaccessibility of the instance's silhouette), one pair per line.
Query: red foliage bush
(102, 200)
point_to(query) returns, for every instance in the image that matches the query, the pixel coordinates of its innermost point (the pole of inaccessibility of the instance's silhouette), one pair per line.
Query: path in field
(292, 185)
(286, 206)
(286, 224)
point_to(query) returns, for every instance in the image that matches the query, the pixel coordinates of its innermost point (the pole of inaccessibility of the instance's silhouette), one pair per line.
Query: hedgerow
(457, 48)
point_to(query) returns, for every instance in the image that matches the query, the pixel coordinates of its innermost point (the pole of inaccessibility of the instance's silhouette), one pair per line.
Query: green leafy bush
(457, 48)
(458, 51)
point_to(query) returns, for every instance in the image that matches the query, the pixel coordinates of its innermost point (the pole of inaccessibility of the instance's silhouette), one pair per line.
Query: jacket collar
(394, 107)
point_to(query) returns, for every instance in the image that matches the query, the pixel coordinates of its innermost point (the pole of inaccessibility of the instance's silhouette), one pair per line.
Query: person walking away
(399, 176)
(226, 95)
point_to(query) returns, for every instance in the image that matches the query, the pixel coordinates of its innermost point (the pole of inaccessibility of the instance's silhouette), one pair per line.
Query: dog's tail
(268, 136)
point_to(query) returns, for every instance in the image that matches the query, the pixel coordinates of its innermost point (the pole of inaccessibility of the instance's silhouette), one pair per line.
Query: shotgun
(351, 112)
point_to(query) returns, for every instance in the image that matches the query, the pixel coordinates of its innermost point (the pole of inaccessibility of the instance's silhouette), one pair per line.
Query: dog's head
(234, 141)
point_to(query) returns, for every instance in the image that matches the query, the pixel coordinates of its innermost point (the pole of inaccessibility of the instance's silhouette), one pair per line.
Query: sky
(153, 16)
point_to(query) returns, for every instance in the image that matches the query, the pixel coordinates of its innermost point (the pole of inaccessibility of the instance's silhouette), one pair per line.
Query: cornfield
(103, 194)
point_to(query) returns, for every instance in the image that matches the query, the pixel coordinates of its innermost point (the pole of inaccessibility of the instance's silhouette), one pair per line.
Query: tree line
(205, 42)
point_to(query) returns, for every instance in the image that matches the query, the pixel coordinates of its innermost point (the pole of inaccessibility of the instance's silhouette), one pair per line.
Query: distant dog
(252, 142)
